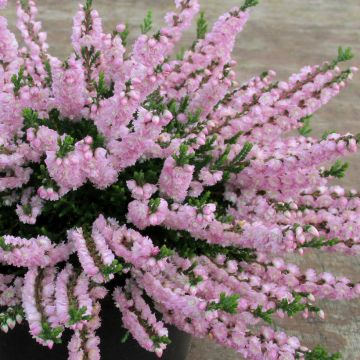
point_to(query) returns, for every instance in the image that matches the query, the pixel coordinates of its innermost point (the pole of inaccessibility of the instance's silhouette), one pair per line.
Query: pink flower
(175, 180)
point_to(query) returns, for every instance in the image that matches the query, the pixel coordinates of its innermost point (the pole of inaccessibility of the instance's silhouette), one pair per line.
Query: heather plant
(167, 186)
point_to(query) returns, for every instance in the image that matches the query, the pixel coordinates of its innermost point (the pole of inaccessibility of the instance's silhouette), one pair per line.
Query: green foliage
(102, 90)
(318, 243)
(187, 247)
(65, 146)
(31, 118)
(221, 161)
(180, 129)
(180, 54)
(343, 76)
(88, 5)
(184, 104)
(233, 140)
(193, 278)
(200, 201)
(125, 338)
(236, 165)
(125, 35)
(150, 176)
(18, 80)
(183, 158)
(226, 303)
(193, 118)
(63, 126)
(265, 315)
(245, 151)
(202, 155)
(114, 268)
(90, 56)
(319, 353)
(344, 54)
(326, 134)
(294, 307)
(165, 252)
(78, 315)
(155, 103)
(11, 315)
(49, 333)
(3, 245)
(338, 170)
(25, 5)
(282, 207)
(147, 25)
(225, 219)
(264, 74)
(154, 205)
(249, 4)
(306, 129)
(159, 340)
(48, 79)
(202, 26)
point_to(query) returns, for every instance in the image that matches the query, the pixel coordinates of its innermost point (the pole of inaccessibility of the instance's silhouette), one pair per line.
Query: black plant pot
(18, 344)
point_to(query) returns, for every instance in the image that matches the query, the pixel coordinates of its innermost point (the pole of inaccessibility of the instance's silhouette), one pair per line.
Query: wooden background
(282, 35)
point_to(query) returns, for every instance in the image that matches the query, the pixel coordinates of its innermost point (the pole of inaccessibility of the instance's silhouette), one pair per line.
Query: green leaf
(183, 158)
(193, 278)
(220, 162)
(338, 170)
(25, 5)
(180, 54)
(125, 35)
(245, 151)
(159, 340)
(78, 315)
(5, 246)
(319, 353)
(326, 134)
(102, 90)
(18, 80)
(344, 54)
(265, 315)
(184, 104)
(306, 129)
(293, 307)
(48, 79)
(201, 201)
(49, 333)
(146, 26)
(202, 26)
(154, 205)
(248, 4)
(31, 118)
(125, 338)
(227, 304)
(65, 146)
(114, 268)
(88, 5)
(318, 243)
(233, 140)
(12, 314)
(165, 252)
(155, 103)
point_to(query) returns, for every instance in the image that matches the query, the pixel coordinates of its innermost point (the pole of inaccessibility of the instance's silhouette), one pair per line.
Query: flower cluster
(168, 182)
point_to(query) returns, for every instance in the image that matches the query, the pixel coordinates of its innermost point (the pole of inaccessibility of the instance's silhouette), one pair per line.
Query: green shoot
(147, 25)
(306, 129)
(338, 170)
(227, 304)
(202, 26)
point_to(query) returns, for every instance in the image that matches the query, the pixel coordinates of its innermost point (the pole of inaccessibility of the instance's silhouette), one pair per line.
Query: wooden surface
(282, 35)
